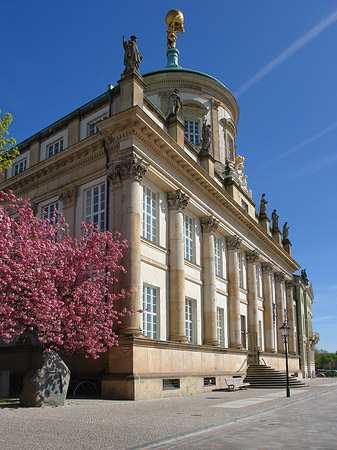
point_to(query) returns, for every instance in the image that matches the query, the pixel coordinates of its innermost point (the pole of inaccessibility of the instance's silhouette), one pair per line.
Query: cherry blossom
(55, 286)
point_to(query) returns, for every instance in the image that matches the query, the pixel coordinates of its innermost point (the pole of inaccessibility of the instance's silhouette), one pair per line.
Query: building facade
(155, 158)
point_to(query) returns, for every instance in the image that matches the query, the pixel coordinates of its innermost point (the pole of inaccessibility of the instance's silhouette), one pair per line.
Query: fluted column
(177, 202)
(129, 172)
(233, 244)
(208, 227)
(253, 318)
(291, 315)
(267, 270)
(279, 299)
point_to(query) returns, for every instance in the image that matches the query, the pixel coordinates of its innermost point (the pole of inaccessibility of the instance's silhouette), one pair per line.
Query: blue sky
(278, 58)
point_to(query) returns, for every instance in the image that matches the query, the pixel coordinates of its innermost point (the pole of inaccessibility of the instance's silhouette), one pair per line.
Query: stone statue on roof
(174, 104)
(132, 57)
(263, 205)
(206, 137)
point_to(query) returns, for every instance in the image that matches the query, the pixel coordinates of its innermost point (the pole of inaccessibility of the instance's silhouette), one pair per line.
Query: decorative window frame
(189, 241)
(80, 209)
(155, 219)
(154, 324)
(191, 320)
(63, 135)
(92, 119)
(220, 325)
(24, 156)
(194, 111)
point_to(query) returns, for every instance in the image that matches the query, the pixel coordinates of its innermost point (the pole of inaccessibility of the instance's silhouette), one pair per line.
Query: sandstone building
(155, 158)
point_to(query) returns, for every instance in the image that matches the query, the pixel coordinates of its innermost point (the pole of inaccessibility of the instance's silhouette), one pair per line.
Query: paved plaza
(249, 419)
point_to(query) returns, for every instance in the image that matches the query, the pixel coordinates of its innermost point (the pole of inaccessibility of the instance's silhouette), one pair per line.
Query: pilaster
(68, 197)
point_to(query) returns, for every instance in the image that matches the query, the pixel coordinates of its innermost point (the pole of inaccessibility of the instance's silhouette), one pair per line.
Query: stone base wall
(278, 362)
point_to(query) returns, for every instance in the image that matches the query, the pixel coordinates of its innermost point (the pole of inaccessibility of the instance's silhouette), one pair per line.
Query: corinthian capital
(233, 242)
(209, 224)
(177, 200)
(130, 167)
(279, 277)
(252, 257)
(68, 196)
(267, 267)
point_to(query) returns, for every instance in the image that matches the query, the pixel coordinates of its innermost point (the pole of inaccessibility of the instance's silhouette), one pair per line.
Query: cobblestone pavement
(251, 419)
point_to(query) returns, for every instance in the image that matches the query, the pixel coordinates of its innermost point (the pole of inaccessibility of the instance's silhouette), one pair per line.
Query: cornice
(51, 168)
(155, 139)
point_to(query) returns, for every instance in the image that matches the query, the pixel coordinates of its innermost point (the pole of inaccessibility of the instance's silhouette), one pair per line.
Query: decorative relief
(267, 267)
(279, 277)
(177, 200)
(209, 224)
(130, 167)
(233, 242)
(68, 196)
(236, 171)
(252, 257)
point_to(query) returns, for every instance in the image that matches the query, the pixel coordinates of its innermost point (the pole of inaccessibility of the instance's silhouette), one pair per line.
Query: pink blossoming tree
(56, 286)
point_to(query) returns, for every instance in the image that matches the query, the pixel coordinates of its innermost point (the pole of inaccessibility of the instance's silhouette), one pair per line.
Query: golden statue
(175, 24)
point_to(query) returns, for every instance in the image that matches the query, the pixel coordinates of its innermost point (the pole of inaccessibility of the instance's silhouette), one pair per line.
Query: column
(253, 318)
(267, 270)
(291, 315)
(208, 227)
(129, 172)
(233, 244)
(279, 283)
(177, 202)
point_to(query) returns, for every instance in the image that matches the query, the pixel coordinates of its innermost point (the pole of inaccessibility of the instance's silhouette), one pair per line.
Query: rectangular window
(171, 384)
(20, 167)
(217, 256)
(220, 326)
(150, 315)
(189, 319)
(92, 128)
(209, 381)
(95, 206)
(192, 131)
(48, 211)
(244, 205)
(54, 148)
(188, 238)
(149, 214)
(230, 149)
(243, 331)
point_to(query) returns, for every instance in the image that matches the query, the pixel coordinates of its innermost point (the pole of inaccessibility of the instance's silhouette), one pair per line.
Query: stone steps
(265, 377)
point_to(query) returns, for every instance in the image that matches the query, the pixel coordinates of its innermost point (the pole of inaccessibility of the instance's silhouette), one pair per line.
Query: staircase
(265, 377)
